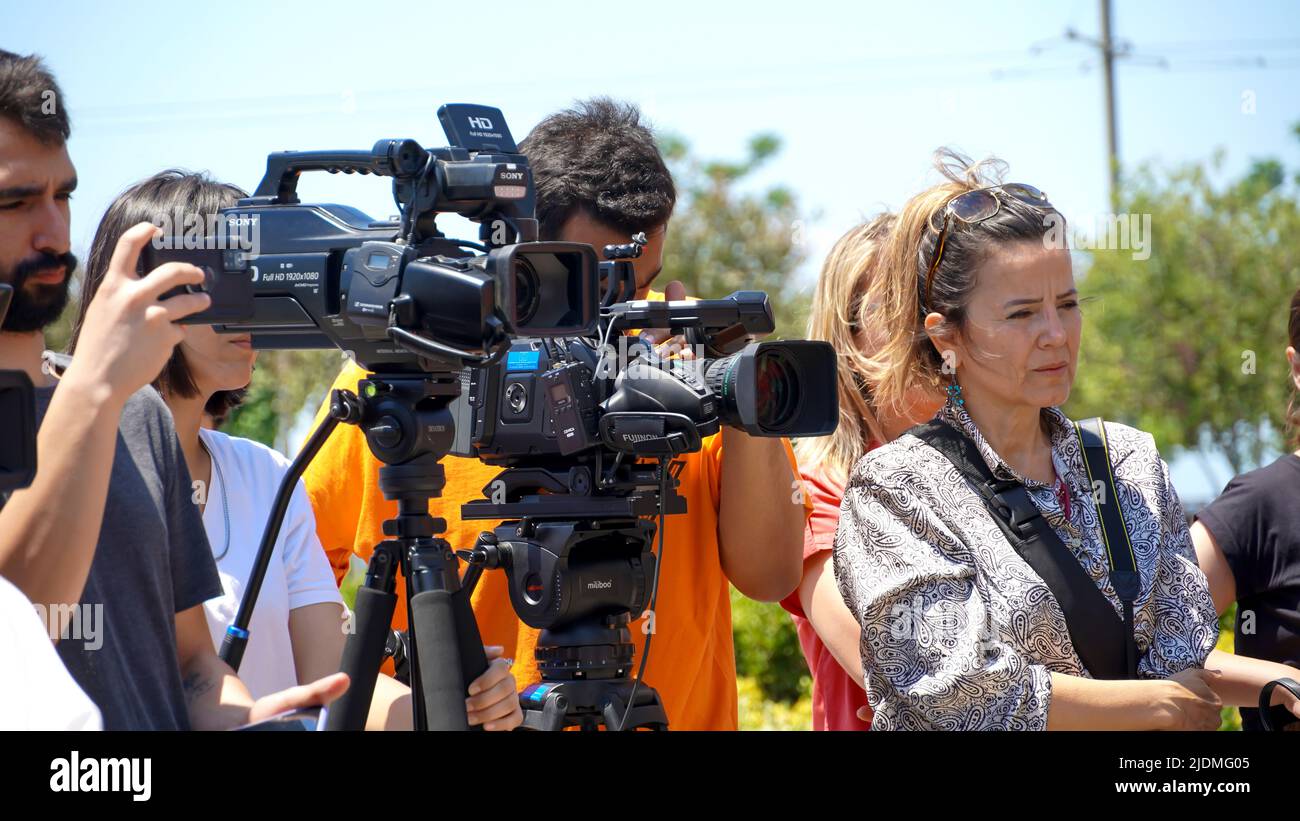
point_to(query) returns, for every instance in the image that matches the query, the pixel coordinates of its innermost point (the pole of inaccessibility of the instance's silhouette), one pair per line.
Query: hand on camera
(128, 335)
(494, 696)
(662, 339)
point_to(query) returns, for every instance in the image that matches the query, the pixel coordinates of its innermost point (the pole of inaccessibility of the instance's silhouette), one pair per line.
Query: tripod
(409, 427)
(585, 657)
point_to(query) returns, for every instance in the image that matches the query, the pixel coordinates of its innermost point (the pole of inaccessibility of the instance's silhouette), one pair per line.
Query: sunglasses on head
(977, 206)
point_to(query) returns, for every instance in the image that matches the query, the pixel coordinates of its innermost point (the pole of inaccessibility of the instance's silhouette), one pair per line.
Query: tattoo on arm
(196, 685)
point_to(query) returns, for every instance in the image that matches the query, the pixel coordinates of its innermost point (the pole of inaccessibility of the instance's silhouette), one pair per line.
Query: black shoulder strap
(1098, 636)
(1119, 550)
(1114, 533)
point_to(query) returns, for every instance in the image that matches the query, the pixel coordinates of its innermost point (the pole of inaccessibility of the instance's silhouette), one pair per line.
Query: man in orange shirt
(599, 179)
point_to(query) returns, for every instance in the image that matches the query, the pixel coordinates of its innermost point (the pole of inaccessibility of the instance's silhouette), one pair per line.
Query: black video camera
(567, 395)
(399, 296)
(573, 421)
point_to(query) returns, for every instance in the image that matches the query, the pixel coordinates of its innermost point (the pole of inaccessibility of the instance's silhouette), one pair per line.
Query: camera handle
(388, 158)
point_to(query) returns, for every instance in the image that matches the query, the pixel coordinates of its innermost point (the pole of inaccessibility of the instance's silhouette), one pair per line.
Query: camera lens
(762, 388)
(777, 389)
(528, 291)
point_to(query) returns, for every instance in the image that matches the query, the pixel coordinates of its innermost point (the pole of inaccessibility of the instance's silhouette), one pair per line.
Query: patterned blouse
(958, 633)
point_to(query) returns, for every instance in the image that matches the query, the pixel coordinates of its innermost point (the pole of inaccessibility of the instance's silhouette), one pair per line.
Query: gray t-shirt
(152, 561)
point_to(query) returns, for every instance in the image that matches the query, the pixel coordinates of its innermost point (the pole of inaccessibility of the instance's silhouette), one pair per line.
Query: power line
(1109, 50)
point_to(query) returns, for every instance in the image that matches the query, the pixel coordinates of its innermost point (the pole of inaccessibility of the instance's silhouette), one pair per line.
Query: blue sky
(861, 93)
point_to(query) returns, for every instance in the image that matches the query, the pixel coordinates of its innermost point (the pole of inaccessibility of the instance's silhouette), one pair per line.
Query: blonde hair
(840, 304)
(906, 358)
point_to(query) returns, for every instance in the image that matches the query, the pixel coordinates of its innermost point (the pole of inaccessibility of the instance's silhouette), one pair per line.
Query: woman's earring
(954, 394)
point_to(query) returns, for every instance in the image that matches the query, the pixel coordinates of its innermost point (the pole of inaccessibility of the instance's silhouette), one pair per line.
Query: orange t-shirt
(692, 661)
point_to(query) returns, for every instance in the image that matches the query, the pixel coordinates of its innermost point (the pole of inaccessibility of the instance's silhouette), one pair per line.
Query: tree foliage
(1188, 344)
(726, 237)
(286, 385)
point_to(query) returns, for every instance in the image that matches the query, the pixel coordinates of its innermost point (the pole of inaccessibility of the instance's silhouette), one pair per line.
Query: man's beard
(33, 308)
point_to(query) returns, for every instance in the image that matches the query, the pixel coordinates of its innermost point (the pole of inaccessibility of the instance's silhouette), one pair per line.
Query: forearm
(830, 617)
(318, 638)
(760, 518)
(214, 696)
(48, 531)
(390, 707)
(1243, 677)
(1092, 704)
(316, 633)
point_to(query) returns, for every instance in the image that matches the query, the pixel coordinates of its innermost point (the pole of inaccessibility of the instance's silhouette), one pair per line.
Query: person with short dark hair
(36, 691)
(600, 178)
(106, 534)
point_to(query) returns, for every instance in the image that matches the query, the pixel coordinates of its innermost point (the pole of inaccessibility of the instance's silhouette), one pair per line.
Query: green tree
(1187, 344)
(767, 649)
(725, 237)
(59, 333)
(286, 384)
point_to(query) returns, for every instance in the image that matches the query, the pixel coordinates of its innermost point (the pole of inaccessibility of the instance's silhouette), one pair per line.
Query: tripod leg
(448, 647)
(441, 682)
(468, 639)
(363, 652)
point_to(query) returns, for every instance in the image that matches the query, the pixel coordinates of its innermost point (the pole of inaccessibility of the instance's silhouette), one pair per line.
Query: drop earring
(954, 394)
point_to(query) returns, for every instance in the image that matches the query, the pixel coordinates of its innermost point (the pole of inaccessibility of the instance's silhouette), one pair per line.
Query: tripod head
(576, 548)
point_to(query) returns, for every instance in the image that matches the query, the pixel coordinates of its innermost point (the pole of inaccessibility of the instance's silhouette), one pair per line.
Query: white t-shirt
(36, 690)
(245, 478)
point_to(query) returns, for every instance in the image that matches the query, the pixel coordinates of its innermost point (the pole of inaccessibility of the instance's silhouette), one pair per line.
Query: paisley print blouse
(958, 633)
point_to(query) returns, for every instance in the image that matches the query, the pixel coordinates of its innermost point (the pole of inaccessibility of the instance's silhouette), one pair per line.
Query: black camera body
(563, 396)
(400, 296)
(586, 433)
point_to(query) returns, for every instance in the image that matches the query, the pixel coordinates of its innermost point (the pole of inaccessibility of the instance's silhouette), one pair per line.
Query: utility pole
(1109, 50)
(1108, 74)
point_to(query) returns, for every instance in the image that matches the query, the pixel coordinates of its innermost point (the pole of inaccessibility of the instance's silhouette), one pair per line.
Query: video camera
(501, 355)
(399, 296)
(573, 421)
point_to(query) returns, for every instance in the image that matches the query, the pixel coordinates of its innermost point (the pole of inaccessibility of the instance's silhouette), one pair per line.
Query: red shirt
(836, 697)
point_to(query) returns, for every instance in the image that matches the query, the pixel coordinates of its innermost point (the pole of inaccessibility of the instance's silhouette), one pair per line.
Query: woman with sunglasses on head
(843, 314)
(298, 627)
(958, 631)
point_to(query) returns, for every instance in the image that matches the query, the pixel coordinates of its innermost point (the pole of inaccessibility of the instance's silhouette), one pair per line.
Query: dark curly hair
(30, 97)
(599, 158)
